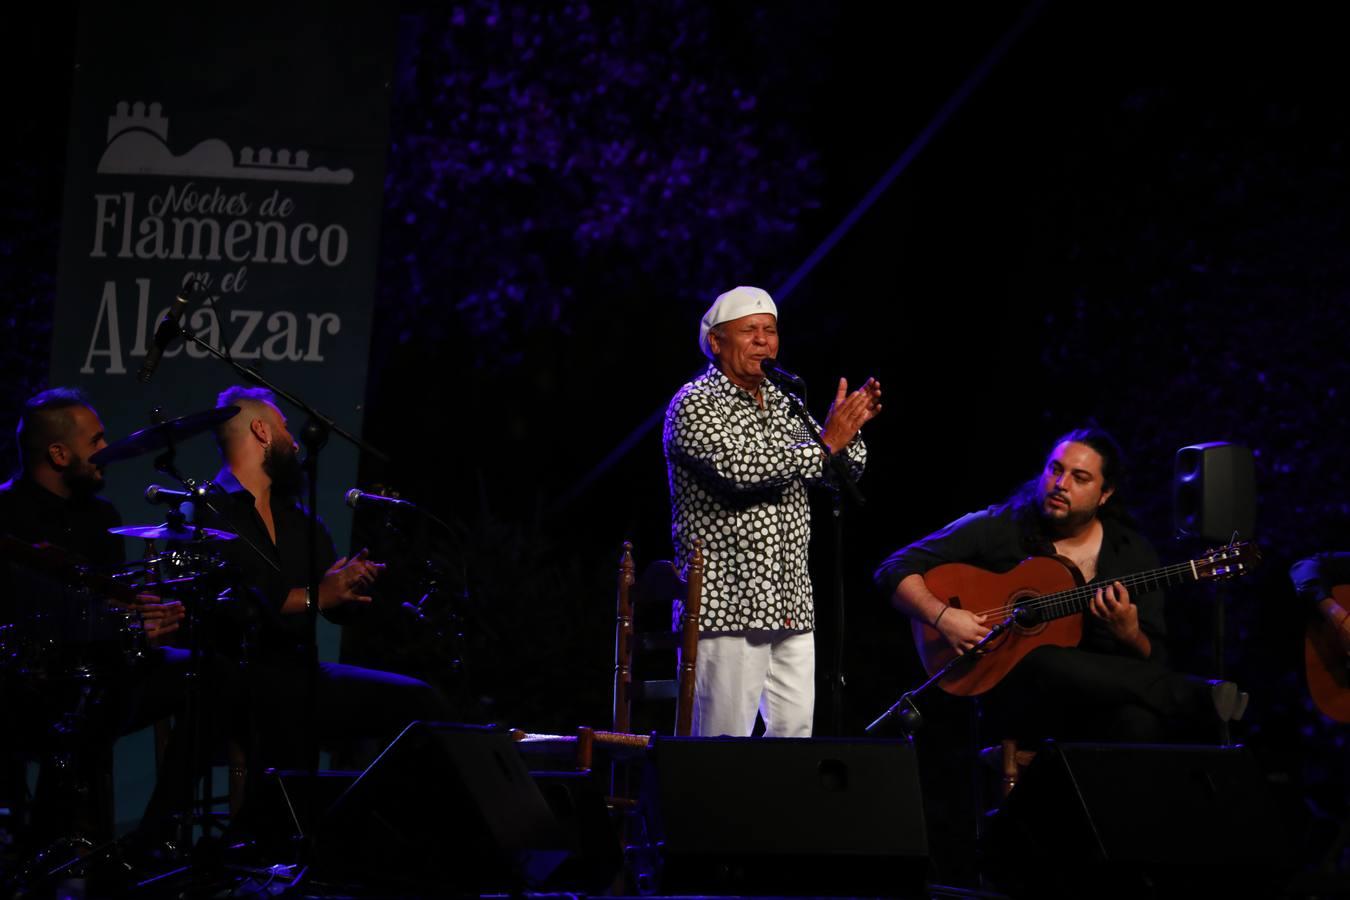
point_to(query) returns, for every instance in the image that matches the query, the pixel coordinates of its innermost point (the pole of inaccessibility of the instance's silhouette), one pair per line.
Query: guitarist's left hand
(1112, 605)
(1339, 618)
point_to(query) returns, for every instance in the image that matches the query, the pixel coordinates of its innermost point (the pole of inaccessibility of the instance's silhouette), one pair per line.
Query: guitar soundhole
(1016, 600)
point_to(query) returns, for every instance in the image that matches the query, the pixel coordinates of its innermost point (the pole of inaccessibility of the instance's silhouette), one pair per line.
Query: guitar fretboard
(1076, 599)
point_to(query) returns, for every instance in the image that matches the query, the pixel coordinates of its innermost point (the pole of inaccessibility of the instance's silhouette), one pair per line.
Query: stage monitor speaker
(444, 807)
(817, 817)
(1129, 820)
(1214, 492)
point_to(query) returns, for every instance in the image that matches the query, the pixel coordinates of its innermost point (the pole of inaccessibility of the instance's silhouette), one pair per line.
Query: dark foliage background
(1139, 217)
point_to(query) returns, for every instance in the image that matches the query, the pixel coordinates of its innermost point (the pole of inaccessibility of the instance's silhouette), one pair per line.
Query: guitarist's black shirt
(998, 538)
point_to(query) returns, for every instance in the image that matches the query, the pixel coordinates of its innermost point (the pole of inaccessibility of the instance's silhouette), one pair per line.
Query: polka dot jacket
(738, 477)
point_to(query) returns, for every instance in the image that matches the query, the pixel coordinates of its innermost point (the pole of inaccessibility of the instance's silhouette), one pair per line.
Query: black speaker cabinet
(785, 816)
(1214, 492)
(1134, 820)
(444, 807)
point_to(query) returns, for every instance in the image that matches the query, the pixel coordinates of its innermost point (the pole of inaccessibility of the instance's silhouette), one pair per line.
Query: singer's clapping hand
(850, 412)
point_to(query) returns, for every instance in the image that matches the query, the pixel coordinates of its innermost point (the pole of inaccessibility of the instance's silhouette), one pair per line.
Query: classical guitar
(1047, 592)
(1327, 664)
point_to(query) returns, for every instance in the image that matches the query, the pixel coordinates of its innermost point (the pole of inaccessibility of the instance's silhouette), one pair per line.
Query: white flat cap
(734, 304)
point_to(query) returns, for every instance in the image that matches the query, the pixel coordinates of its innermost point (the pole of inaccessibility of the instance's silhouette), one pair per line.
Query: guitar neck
(1075, 600)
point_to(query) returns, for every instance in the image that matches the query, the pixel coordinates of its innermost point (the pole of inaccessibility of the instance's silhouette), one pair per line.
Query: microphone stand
(184, 797)
(315, 436)
(839, 479)
(431, 575)
(911, 720)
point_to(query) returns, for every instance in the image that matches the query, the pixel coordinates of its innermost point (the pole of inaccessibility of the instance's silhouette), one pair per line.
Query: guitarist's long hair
(1024, 499)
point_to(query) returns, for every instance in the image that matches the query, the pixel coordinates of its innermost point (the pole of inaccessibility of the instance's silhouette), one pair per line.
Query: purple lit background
(1139, 216)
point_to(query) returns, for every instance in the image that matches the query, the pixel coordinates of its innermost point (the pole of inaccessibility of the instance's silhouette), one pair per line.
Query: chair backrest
(643, 630)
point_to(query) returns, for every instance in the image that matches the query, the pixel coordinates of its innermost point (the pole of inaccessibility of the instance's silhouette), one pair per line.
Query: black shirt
(80, 525)
(49, 606)
(998, 538)
(270, 575)
(1315, 576)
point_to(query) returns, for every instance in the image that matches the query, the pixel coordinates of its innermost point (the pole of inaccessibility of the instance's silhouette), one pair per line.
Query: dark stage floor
(453, 810)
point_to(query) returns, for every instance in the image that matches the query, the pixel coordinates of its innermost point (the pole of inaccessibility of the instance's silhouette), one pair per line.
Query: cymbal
(163, 435)
(169, 533)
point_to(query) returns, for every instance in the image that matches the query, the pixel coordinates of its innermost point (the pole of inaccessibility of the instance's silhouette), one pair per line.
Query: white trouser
(769, 672)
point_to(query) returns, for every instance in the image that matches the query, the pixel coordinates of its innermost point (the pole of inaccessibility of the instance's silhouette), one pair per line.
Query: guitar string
(1076, 598)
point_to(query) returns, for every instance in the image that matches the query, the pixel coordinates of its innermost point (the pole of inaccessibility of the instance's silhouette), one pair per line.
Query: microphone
(780, 376)
(169, 328)
(156, 494)
(358, 499)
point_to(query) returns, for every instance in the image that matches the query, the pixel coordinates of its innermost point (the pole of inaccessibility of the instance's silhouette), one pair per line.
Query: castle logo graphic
(138, 145)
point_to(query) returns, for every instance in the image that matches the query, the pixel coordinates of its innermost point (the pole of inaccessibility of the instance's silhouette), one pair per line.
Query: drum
(56, 630)
(181, 573)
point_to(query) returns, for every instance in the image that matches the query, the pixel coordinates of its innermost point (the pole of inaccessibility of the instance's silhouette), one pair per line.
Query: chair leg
(1014, 763)
(585, 748)
(1009, 769)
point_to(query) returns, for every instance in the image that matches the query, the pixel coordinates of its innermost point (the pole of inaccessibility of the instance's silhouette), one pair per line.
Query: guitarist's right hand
(961, 629)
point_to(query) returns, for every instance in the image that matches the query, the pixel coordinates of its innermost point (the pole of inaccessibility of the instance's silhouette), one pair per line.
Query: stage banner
(241, 146)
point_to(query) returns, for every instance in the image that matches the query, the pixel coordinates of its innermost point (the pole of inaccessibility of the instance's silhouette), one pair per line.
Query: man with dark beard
(53, 498)
(1115, 684)
(53, 502)
(262, 480)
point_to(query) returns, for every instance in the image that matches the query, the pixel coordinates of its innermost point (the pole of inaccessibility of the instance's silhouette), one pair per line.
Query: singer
(739, 465)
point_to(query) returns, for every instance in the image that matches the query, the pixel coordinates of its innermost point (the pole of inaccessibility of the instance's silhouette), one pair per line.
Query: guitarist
(1115, 684)
(1314, 579)
(1323, 584)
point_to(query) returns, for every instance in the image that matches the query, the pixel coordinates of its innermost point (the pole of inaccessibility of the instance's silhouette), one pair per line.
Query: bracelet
(940, 615)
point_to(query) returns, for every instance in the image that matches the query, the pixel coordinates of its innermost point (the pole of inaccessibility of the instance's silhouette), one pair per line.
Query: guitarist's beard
(1067, 525)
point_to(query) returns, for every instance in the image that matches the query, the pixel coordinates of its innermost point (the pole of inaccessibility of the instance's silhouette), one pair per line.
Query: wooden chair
(644, 645)
(1010, 761)
(1001, 763)
(650, 600)
(645, 600)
